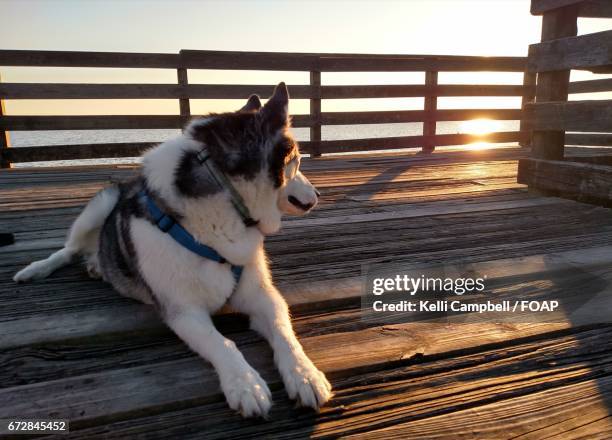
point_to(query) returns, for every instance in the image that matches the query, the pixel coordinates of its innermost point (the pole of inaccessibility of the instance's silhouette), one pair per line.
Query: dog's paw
(306, 383)
(247, 393)
(34, 271)
(93, 269)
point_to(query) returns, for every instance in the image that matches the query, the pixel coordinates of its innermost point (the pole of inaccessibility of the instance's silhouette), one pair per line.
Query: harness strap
(171, 227)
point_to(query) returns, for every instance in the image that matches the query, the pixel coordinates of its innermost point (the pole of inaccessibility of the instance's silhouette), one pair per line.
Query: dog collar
(223, 182)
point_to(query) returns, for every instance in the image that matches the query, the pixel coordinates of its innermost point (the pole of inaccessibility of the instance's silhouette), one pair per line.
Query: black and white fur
(121, 244)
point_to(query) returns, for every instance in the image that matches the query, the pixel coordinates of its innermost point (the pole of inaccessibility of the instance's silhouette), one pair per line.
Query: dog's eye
(292, 168)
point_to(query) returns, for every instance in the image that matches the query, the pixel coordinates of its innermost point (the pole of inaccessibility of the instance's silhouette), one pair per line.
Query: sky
(453, 27)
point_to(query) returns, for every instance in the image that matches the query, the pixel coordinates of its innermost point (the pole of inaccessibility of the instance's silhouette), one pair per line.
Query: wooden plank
(327, 62)
(388, 143)
(398, 91)
(529, 83)
(605, 159)
(4, 137)
(385, 117)
(282, 61)
(582, 52)
(415, 212)
(183, 80)
(592, 86)
(538, 7)
(595, 9)
(76, 152)
(98, 122)
(590, 139)
(440, 64)
(315, 113)
(581, 181)
(234, 60)
(20, 123)
(593, 116)
(552, 86)
(52, 58)
(239, 91)
(430, 107)
(586, 8)
(142, 91)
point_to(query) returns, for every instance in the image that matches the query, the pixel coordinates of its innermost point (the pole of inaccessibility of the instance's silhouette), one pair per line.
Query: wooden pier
(71, 348)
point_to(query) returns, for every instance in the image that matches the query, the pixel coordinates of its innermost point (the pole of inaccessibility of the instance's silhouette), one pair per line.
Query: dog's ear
(276, 110)
(252, 105)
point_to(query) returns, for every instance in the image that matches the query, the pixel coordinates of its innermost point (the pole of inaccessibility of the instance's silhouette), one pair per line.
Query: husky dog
(228, 201)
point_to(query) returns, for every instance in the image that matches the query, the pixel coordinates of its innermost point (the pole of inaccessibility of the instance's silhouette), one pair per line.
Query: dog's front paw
(305, 382)
(34, 271)
(247, 393)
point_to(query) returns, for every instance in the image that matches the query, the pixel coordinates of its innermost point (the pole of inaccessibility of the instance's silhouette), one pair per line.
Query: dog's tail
(82, 238)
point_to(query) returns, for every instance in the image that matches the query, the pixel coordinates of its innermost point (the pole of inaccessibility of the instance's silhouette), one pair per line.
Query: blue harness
(170, 226)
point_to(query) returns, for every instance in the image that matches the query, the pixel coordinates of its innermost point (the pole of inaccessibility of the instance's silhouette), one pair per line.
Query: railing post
(315, 113)
(431, 105)
(529, 84)
(4, 138)
(553, 86)
(183, 102)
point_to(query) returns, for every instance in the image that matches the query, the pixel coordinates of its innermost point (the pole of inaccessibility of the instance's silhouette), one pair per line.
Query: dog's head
(254, 148)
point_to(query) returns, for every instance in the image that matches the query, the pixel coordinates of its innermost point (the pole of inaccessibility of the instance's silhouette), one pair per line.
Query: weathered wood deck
(72, 348)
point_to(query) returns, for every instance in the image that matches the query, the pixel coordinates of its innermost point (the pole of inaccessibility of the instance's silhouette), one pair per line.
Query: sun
(479, 126)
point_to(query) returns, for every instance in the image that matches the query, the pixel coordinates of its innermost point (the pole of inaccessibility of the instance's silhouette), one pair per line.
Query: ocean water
(337, 132)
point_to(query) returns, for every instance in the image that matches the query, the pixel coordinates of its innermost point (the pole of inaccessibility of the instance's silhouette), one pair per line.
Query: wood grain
(587, 116)
(582, 181)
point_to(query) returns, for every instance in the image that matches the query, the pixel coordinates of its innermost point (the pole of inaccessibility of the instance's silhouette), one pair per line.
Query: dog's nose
(303, 206)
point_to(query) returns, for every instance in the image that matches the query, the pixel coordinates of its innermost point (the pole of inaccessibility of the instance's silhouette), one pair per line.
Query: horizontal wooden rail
(30, 123)
(236, 91)
(76, 152)
(141, 91)
(51, 58)
(584, 52)
(388, 143)
(103, 122)
(590, 8)
(382, 117)
(592, 86)
(589, 139)
(327, 62)
(27, 123)
(594, 116)
(279, 61)
(93, 151)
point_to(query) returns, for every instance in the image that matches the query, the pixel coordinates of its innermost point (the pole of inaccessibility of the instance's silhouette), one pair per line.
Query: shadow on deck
(72, 348)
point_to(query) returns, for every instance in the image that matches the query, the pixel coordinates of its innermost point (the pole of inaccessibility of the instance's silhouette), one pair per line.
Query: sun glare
(479, 126)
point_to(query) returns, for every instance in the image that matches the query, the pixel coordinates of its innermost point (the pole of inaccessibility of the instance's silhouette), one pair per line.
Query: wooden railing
(552, 115)
(315, 64)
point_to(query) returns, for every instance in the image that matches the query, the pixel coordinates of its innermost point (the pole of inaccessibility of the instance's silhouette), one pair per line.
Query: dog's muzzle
(303, 206)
